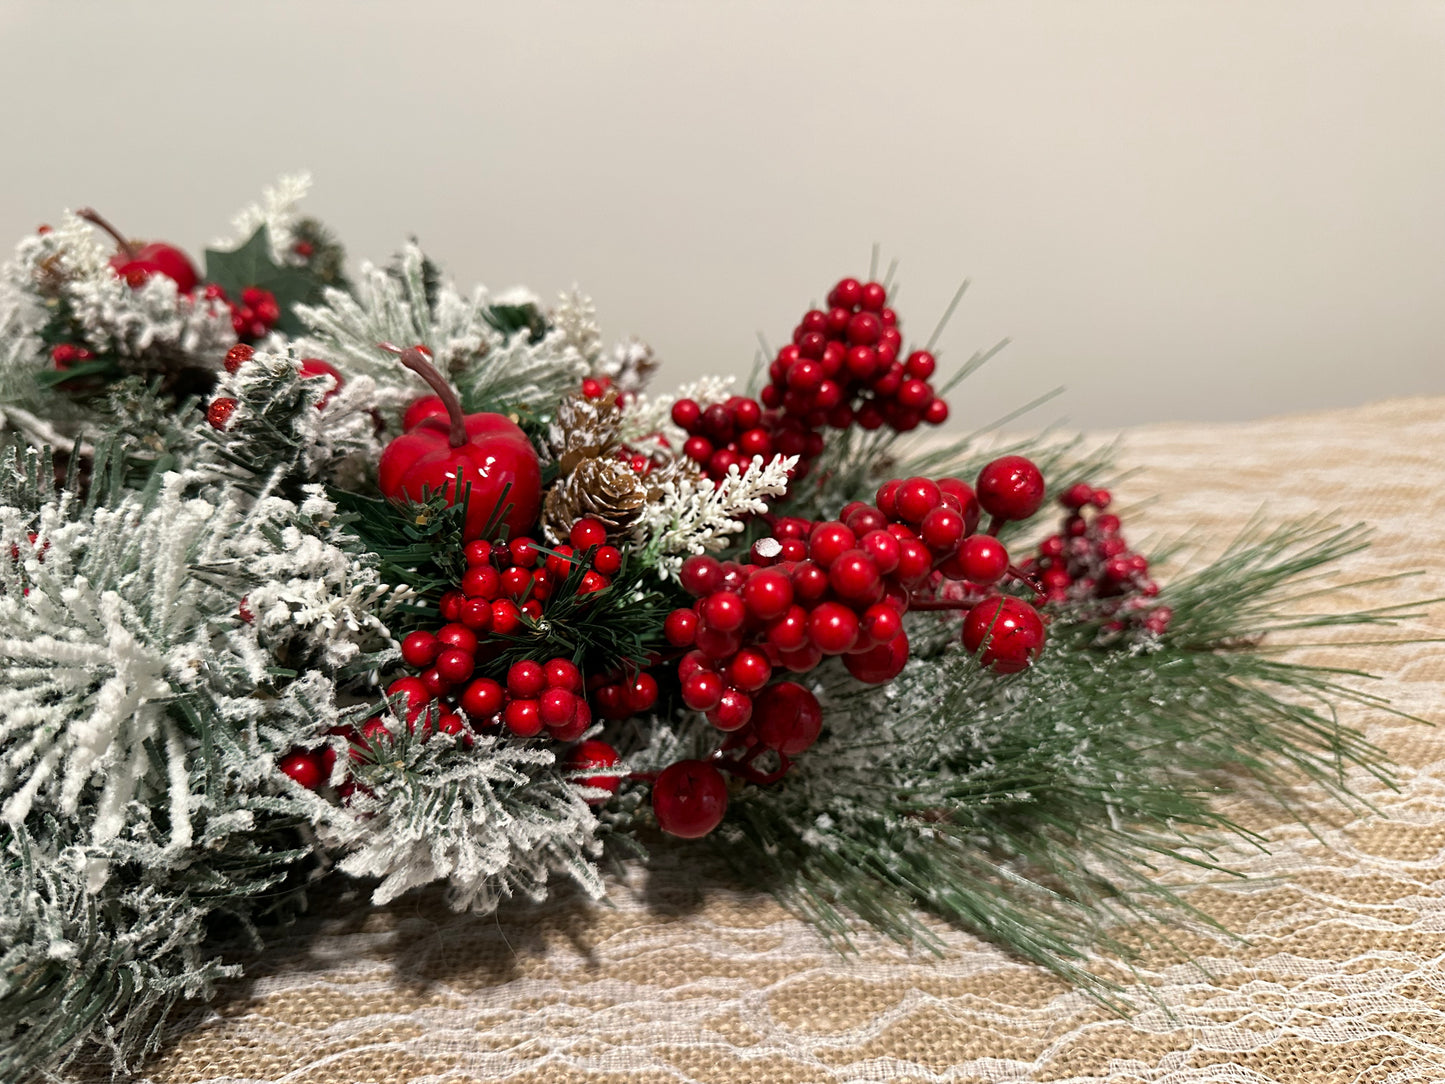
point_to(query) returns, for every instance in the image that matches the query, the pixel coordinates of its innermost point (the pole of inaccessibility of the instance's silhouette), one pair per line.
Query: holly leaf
(251, 265)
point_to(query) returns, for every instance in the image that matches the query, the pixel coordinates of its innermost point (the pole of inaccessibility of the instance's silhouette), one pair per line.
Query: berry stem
(96, 218)
(413, 358)
(995, 524)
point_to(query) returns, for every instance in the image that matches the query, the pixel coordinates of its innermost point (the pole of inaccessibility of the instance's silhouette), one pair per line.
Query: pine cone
(584, 429)
(602, 488)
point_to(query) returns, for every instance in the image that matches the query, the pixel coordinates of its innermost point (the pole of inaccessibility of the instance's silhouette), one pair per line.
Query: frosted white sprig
(694, 514)
(575, 319)
(277, 211)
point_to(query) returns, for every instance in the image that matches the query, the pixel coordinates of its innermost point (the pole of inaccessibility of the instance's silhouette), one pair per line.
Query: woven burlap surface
(681, 977)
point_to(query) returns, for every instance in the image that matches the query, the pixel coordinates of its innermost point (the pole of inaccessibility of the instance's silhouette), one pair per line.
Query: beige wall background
(1178, 211)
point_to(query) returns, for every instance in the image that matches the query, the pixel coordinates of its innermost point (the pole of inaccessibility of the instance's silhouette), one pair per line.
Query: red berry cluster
(842, 368)
(256, 313)
(1089, 563)
(841, 588)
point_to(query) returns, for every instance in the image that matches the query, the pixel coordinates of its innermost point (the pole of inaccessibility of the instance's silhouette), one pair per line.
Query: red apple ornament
(136, 263)
(484, 459)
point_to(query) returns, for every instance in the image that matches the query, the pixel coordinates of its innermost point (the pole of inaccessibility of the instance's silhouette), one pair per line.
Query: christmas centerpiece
(306, 576)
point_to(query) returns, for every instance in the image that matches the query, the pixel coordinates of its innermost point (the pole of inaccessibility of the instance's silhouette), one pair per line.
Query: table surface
(679, 978)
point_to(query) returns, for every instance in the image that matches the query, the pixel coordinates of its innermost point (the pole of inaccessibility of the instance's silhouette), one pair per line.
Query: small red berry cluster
(841, 588)
(221, 408)
(842, 368)
(1089, 563)
(253, 316)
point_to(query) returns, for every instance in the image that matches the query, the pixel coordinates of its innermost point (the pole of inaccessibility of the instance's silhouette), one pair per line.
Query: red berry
(416, 696)
(1010, 487)
(916, 497)
(680, 628)
(563, 674)
(304, 767)
(220, 411)
(593, 389)
(578, 724)
(982, 559)
(607, 560)
(723, 611)
(832, 627)
(451, 723)
(457, 636)
(689, 799)
(942, 529)
(526, 679)
(879, 664)
(787, 717)
(482, 581)
(686, 414)
(702, 690)
(700, 575)
(920, 364)
(516, 582)
(732, 712)
(476, 614)
(506, 618)
(523, 718)
(810, 582)
(847, 294)
(641, 695)
(1008, 630)
(434, 682)
(482, 699)
(591, 582)
(556, 706)
(804, 659)
(312, 368)
(884, 499)
(420, 649)
(959, 495)
(768, 594)
(854, 576)
(881, 622)
(914, 562)
(749, 670)
(456, 666)
(790, 631)
(586, 533)
(698, 449)
(237, 356)
(936, 412)
(523, 552)
(450, 605)
(882, 547)
(590, 755)
(864, 329)
(827, 541)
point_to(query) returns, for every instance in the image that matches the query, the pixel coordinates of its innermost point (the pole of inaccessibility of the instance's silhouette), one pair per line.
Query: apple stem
(96, 218)
(417, 361)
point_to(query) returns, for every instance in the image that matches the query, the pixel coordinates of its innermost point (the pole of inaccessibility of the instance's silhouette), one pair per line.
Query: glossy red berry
(749, 670)
(723, 611)
(482, 699)
(586, 533)
(789, 631)
(787, 717)
(914, 561)
(304, 767)
(702, 690)
(641, 693)
(506, 618)
(982, 559)
(556, 706)
(847, 294)
(476, 614)
(457, 635)
(523, 718)
(732, 712)
(607, 560)
(1006, 633)
(942, 529)
(768, 594)
(420, 649)
(881, 622)
(810, 582)
(689, 799)
(854, 576)
(1010, 487)
(563, 674)
(482, 581)
(680, 627)
(879, 664)
(827, 541)
(916, 497)
(700, 575)
(833, 627)
(526, 679)
(455, 666)
(589, 756)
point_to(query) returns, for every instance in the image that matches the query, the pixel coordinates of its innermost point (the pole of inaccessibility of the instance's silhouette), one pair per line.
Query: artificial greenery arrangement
(304, 575)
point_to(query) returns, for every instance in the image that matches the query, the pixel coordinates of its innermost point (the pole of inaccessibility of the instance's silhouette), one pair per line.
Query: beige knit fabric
(680, 978)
